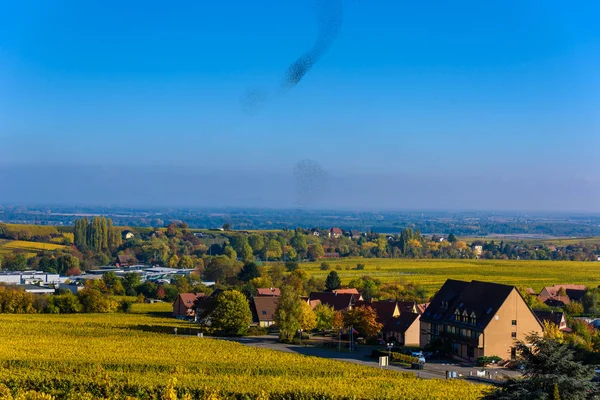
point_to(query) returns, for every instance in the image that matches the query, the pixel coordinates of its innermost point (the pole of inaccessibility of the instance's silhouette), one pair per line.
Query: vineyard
(30, 248)
(118, 355)
(432, 273)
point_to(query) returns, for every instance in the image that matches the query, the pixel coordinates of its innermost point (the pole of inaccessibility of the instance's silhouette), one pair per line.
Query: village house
(348, 291)
(335, 233)
(126, 260)
(477, 319)
(338, 301)
(354, 234)
(561, 295)
(263, 310)
(403, 329)
(477, 250)
(556, 318)
(127, 234)
(183, 307)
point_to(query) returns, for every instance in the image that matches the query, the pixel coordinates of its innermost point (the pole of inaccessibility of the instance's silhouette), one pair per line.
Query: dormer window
(457, 315)
(465, 316)
(473, 318)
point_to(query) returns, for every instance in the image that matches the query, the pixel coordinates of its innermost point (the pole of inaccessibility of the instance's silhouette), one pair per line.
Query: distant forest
(459, 223)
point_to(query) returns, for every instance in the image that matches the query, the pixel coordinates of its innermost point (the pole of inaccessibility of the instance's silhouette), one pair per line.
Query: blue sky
(416, 102)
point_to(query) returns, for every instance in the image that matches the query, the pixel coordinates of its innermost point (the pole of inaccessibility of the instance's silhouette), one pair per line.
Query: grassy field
(431, 273)
(31, 248)
(111, 356)
(559, 241)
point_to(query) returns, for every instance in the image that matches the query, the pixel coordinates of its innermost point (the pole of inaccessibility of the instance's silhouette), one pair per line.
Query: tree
(220, 268)
(333, 281)
(249, 272)
(232, 314)
(246, 253)
(131, 280)
(226, 226)
(325, 315)
(229, 252)
(315, 251)
(93, 301)
(308, 319)
(364, 320)
(574, 308)
(256, 242)
(452, 238)
(288, 313)
(273, 250)
(548, 367)
(298, 242)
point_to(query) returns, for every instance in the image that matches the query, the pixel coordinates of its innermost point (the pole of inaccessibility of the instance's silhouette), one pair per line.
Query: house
(422, 307)
(339, 302)
(204, 306)
(127, 235)
(335, 233)
(403, 329)
(477, 319)
(556, 318)
(268, 292)
(331, 254)
(561, 295)
(407, 306)
(385, 309)
(263, 310)
(354, 234)
(183, 307)
(125, 260)
(477, 250)
(315, 232)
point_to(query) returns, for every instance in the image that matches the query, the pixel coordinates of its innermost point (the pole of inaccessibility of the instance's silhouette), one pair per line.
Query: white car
(419, 355)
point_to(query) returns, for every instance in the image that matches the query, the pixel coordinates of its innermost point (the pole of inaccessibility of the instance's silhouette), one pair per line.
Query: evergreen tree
(549, 369)
(249, 272)
(333, 281)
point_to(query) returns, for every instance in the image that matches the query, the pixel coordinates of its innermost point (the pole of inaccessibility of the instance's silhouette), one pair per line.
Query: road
(434, 369)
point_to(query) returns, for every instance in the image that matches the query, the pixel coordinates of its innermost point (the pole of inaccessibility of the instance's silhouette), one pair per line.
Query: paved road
(361, 356)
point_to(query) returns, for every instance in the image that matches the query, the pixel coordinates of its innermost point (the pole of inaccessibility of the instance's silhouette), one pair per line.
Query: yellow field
(431, 273)
(113, 355)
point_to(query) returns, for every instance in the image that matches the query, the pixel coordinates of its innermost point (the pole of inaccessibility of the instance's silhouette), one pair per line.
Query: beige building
(403, 329)
(475, 319)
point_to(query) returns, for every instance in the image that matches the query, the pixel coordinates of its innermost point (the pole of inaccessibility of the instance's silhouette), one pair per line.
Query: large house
(183, 307)
(338, 301)
(126, 260)
(477, 319)
(404, 329)
(561, 295)
(263, 310)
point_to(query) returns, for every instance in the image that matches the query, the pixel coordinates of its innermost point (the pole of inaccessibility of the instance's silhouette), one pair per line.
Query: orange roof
(346, 291)
(188, 299)
(268, 292)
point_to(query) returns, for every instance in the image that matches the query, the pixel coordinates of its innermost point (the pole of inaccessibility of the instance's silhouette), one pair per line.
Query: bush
(325, 266)
(396, 357)
(125, 306)
(485, 360)
(360, 266)
(257, 331)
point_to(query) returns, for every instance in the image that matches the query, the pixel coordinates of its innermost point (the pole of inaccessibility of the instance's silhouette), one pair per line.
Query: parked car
(419, 355)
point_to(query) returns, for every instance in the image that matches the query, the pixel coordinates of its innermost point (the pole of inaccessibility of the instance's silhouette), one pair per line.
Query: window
(514, 322)
(513, 334)
(470, 352)
(264, 312)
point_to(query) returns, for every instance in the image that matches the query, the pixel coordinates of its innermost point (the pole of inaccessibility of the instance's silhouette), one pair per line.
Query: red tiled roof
(264, 308)
(268, 292)
(188, 299)
(346, 291)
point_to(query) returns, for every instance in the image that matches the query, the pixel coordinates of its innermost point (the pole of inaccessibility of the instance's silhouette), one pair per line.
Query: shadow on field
(168, 329)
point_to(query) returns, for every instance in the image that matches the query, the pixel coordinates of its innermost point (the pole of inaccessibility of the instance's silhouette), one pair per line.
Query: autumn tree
(325, 315)
(232, 314)
(288, 313)
(364, 320)
(315, 251)
(308, 319)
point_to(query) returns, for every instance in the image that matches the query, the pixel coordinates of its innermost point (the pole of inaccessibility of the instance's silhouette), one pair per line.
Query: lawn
(431, 273)
(118, 355)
